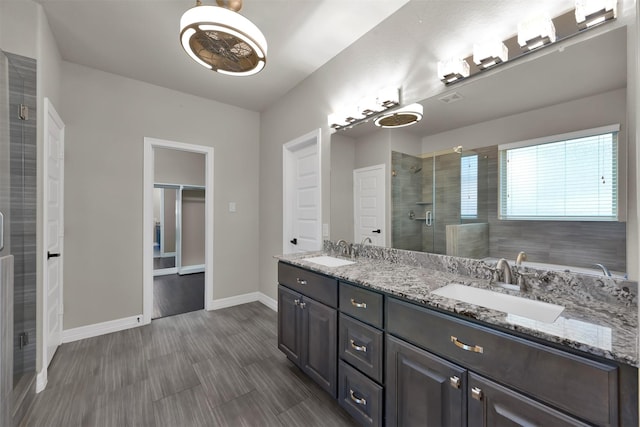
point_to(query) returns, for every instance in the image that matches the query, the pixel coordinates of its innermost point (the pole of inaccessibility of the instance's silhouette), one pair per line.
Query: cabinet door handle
(358, 400)
(460, 344)
(296, 301)
(358, 304)
(454, 381)
(301, 281)
(356, 347)
(303, 305)
(476, 393)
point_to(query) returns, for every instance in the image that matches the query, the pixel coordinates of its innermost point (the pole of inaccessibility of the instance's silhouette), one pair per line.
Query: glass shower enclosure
(18, 228)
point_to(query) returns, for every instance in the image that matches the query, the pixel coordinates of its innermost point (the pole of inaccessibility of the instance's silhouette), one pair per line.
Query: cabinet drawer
(361, 304)
(359, 396)
(580, 386)
(314, 285)
(361, 345)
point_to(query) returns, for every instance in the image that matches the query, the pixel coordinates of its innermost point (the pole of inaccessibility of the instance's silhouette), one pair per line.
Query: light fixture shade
(223, 40)
(488, 54)
(401, 117)
(536, 32)
(453, 69)
(593, 12)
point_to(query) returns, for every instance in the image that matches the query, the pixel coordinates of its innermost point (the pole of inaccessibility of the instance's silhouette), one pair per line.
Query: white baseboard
(89, 331)
(243, 299)
(165, 271)
(190, 269)
(268, 301)
(41, 381)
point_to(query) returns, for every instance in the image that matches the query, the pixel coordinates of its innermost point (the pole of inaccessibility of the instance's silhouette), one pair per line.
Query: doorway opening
(178, 228)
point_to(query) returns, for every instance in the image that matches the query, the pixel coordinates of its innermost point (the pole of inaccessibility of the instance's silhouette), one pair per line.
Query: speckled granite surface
(600, 315)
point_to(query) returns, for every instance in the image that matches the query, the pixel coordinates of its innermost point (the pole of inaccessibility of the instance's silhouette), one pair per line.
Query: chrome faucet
(346, 247)
(365, 240)
(604, 269)
(507, 274)
(522, 256)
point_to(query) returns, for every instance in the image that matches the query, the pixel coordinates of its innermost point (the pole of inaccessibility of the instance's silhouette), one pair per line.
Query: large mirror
(581, 85)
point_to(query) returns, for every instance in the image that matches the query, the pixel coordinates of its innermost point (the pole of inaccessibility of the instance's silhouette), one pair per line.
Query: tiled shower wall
(23, 180)
(572, 243)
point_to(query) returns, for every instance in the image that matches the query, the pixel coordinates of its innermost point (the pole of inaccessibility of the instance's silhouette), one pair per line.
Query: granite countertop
(603, 326)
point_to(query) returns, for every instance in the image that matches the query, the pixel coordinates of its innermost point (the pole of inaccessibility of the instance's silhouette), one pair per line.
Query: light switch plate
(232, 206)
(325, 230)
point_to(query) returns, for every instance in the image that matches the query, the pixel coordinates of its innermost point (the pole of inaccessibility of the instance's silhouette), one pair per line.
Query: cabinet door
(289, 317)
(492, 405)
(423, 389)
(319, 346)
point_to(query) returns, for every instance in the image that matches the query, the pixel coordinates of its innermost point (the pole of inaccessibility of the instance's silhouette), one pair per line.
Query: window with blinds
(571, 177)
(469, 186)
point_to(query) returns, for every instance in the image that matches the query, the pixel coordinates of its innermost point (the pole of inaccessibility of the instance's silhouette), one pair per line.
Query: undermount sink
(532, 309)
(328, 261)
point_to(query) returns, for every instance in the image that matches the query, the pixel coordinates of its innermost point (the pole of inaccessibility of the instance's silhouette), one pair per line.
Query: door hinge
(24, 112)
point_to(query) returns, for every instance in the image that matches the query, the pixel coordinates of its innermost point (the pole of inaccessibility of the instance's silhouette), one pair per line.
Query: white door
(54, 229)
(302, 206)
(369, 204)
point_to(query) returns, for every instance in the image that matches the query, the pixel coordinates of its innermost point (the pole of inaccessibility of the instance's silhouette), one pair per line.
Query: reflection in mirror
(165, 226)
(446, 202)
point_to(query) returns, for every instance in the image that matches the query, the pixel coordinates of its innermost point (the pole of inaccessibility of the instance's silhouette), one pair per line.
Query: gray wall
(103, 182)
(178, 167)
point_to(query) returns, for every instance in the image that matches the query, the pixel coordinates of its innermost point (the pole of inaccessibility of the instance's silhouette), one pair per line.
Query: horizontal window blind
(469, 186)
(570, 179)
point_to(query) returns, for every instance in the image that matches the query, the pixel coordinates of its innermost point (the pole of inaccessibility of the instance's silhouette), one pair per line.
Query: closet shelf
(424, 203)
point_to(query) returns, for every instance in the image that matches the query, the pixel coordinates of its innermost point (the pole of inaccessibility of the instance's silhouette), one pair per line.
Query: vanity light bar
(488, 54)
(453, 69)
(593, 12)
(533, 33)
(366, 109)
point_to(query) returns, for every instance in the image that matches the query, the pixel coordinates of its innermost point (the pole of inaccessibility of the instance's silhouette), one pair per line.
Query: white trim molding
(147, 239)
(190, 269)
(243, 299)
(97, 329)
(41, 381)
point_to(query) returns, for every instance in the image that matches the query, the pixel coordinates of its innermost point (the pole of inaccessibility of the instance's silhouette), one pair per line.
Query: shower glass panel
(18, 205)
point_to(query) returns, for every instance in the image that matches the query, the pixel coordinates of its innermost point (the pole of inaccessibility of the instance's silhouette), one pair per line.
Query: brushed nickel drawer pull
(358, 304)
(303, 305)
(476, 393)
(356, 347)
(358, 400)
(296, 301)
(454, 381)
(473, 348)
(301, 281)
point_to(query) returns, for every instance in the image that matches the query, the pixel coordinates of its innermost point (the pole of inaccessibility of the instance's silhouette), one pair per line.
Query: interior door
(302, 204)
(54, 226)
(369, 210)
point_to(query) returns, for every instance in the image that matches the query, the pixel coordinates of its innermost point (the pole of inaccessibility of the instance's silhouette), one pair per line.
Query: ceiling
(138, 39)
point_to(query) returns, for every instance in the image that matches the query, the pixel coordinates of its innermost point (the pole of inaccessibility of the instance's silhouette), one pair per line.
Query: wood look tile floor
(175, 294)
(218, 368)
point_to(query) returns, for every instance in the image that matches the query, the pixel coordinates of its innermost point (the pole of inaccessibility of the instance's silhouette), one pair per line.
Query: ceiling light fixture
(452, 70)
(488, 54)
(401, 117)
(594, 12)
(536, 32)
(222, 40)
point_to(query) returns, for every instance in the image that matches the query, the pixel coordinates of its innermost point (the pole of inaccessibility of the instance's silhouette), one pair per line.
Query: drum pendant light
(222, 40)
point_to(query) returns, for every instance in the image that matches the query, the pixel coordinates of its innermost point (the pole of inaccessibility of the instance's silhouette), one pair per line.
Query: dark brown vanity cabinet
(539, 384)
(308, 329)
(361, 350)
(491, 404)
(423, 389)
